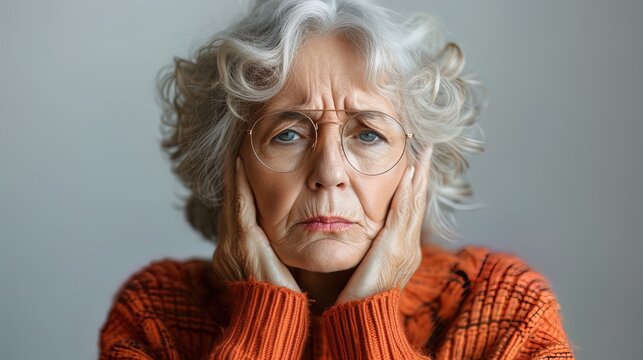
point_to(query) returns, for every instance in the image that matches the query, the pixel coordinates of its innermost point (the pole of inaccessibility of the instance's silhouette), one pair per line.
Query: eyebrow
(312, 113)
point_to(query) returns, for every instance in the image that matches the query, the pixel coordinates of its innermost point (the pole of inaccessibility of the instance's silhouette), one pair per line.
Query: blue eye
(369, 136)
(287, 136)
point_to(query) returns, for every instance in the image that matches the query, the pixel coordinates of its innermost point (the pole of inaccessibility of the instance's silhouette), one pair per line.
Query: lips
(327, 224)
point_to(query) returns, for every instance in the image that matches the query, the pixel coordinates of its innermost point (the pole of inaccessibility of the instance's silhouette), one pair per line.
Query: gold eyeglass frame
(350, 116)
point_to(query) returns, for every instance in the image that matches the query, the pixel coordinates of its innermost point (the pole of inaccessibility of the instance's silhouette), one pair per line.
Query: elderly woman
(323, 144)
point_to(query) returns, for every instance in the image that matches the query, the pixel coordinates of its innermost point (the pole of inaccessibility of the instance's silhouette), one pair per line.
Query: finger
(226, 226)
(244, 200)
(400, 204)
(421, 180)
(420, 191)
(424, 167)
(229, 191)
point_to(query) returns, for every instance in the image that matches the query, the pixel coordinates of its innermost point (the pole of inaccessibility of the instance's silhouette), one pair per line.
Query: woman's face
(323, 216)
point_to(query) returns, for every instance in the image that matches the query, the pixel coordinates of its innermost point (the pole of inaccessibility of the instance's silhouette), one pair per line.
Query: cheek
(273, 202)
(273, 195)
(375, 193)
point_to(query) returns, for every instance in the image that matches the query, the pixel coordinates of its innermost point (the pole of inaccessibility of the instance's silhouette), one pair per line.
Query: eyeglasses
(373, 142)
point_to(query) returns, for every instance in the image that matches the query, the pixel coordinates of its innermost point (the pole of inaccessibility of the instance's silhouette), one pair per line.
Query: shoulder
(502, 273)
(479, 266)
(166, 271)
(475, 289)
(510, 304)
(504, 289)
(152, 307)
(447, 281)
(167, 289)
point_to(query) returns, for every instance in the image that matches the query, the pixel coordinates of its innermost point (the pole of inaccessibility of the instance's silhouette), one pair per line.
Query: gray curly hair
(209, 99)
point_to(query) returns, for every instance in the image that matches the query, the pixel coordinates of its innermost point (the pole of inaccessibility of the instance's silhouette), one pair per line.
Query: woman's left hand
(396, 252)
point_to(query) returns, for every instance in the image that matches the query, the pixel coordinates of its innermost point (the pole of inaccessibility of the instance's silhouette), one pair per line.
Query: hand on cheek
(396, 252)
(243, 250)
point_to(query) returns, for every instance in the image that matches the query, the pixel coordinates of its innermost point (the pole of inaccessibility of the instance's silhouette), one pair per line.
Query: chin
(329, 255)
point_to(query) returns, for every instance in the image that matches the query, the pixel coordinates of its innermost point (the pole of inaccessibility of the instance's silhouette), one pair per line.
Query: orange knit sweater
(471, 304)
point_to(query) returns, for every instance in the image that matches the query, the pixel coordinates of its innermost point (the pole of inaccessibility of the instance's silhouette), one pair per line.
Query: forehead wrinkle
(327, 75)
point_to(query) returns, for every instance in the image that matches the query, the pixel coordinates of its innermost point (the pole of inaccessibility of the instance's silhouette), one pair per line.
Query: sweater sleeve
(268, 322)
(158, 314)
(370, 328)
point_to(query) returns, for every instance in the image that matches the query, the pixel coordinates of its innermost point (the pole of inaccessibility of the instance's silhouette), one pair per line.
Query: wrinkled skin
(261, 234)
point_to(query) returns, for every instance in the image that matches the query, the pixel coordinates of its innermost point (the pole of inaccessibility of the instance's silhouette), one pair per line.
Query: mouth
(327, 224)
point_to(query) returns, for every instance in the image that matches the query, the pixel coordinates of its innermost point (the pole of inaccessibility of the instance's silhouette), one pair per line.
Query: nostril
(340, 185)
(319, 184)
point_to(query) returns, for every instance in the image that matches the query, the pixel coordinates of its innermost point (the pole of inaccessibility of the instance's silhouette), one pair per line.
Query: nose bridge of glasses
(326, 136)
(322, 117)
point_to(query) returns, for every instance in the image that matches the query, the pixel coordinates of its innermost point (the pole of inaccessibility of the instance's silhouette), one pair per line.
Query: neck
(322, 288)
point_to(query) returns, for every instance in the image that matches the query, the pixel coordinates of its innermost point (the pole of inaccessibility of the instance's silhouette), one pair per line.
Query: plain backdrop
(86, 196)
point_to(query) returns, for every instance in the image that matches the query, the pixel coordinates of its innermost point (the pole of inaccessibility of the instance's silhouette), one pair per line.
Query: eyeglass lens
(373, 142)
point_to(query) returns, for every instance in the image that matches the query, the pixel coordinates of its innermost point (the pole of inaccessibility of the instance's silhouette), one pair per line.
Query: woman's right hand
(243, 250)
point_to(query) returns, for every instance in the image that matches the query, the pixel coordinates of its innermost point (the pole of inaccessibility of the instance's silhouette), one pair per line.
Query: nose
(329, 167)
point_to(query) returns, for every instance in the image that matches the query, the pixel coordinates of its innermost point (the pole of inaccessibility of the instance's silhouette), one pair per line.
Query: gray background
(86, 197)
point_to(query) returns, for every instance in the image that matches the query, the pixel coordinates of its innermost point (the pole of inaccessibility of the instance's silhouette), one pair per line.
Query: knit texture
(469, 304)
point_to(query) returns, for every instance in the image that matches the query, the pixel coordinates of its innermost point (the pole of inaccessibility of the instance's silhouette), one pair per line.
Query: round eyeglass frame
(350, 115)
